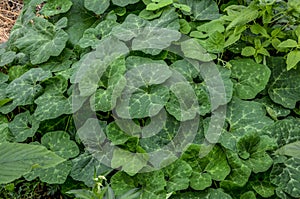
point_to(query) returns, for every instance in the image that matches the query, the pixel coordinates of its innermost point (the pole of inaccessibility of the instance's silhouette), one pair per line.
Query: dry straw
(9, 11)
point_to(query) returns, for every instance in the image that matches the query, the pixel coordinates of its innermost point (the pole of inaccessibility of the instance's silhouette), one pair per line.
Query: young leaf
(293, 58)
(289, 43)
(159, 4)
(248, 51)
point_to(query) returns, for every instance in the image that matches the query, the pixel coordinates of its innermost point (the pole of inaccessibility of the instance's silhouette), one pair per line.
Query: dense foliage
(152, 99)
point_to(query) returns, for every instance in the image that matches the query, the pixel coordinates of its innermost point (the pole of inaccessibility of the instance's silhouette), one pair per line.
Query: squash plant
(161, 98)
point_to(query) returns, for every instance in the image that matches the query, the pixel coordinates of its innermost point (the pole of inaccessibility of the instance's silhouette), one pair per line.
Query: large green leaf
(249, 77)
(25, 89)
(79, 19)
(52, 104)
(91, 36)
(138, 103)
(43, 40)
(105, 98)
(60, 143)
(18, 159)
(53, 175)
(85, 166)
(6, 57)
(177, 175)
(55, 7)
(97, 6)
(207, 194)
(286, 176)
(122, 3)
(292, 149)
(130, 162)
(202, 9)
(192, 49)
(23, 126)
(283, 88)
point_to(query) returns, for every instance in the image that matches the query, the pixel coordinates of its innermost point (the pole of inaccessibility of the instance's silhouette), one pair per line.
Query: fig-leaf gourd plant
(255, 47)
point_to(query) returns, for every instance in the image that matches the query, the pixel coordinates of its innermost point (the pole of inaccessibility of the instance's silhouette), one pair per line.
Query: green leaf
(122, 3)
(25, 89)
(177, 174)
(185, 27)
(207, 194)
(200, 181)
(79, 20)
(53, 175)
(85, 166)
(55, 7)
(250, 77)
(215, 43)
(291, 149)
(192, 49)
(258, 29)
(274, 110)
(248, 51)
(91, 36)
(286, 176)
(60, 143)
(130, 162)
(106, 99)
(239, 174)
(243, 17)
(293, 58)
(23, 126)
(15, 72)
(18, 159)
(283, 88)
(121, 183)
(248, 195)
(82, 194)
(149, 15)
(41, 44)
(289, 43)
(115, 134)
(97, 6)
(203, 9)
(52, 104)
(183, 7)
(6, 57)
(159, 4)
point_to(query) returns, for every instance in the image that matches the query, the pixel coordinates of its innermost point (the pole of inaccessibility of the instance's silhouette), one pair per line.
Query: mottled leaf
(55, 7)
(23, 126)
(249, 77)
(97, 6)
(18, 159)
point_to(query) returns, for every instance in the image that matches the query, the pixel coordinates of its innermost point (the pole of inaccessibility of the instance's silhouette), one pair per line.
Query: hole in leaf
(58, 8)
(29, 125)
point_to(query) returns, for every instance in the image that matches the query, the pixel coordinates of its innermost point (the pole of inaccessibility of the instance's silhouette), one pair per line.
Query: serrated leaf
(41, 44)
(293, 58)
(122, 3)
(202, 10)
(97, 6)
(249, 77)
(283, 88)
(85, 166)
(23, 126)
(55, 7)
(25, 89)
(18, 159)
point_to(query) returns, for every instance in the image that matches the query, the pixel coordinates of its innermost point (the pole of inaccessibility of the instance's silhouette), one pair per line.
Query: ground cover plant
(151, 99)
